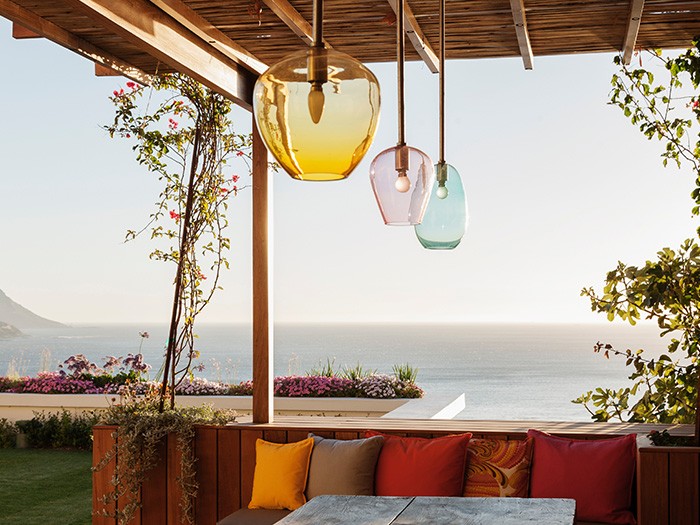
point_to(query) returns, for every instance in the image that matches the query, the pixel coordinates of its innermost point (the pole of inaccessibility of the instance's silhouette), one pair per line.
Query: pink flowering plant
(189, 143)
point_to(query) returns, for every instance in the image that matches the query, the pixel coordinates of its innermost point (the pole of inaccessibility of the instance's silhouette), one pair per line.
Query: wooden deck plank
(684, 497)
(485, 428)
(205, 449)
(228, 471)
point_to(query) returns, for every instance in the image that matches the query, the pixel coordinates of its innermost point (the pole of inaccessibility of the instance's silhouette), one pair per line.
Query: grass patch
(45, 486)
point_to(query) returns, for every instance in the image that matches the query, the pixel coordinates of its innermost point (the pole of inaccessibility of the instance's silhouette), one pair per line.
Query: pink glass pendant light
(402, 176)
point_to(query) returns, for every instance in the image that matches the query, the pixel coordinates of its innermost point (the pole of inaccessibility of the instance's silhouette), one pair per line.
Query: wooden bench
(667, 479)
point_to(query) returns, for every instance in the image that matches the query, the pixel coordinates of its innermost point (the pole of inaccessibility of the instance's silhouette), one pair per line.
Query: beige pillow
(344, 467)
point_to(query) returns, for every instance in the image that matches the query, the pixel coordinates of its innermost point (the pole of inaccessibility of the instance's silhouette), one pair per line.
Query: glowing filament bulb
(402, 183)
(317, 100)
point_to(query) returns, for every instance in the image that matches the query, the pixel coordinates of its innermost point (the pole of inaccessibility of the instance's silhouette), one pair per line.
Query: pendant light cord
(400, 68)
(318, 23)
(442, 81)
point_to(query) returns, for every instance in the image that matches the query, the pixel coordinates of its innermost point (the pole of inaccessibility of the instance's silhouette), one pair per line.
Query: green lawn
(47, 487)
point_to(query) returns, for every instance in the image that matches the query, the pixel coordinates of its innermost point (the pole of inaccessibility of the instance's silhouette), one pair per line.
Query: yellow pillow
(280, 474)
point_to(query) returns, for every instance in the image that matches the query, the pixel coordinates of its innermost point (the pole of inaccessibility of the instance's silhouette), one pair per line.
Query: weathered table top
(374, 510)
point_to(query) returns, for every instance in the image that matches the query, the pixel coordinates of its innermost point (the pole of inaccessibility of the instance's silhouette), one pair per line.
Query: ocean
(506, 371)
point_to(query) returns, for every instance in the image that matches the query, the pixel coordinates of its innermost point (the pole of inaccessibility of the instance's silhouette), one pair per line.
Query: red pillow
(596, 473)
(410, 466)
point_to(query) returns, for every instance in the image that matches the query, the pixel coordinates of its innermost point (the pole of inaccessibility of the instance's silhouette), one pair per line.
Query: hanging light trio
(317, 112)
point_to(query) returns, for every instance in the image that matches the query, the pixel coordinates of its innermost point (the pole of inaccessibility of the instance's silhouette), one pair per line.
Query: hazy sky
(560, 186)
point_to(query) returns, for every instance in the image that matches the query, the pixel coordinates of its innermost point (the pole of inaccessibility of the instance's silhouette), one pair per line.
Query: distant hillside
(18, 316)
(7, 331)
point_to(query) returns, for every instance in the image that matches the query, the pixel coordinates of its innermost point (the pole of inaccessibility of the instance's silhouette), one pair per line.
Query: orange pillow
(280, 474)
(409, 466)
(498, 468)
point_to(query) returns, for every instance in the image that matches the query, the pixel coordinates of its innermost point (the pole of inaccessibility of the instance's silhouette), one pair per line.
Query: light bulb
(317, 101)
(441, 192)
(402, 183)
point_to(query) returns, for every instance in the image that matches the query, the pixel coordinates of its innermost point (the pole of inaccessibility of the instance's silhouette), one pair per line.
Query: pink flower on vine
(128, 135)
(118, 93)
(235, 178)
(202, 277)
(696, 104)
(234, 189)
(223, 191)
(240, 153)
(174, 215)
(172, 124)
(131, 85)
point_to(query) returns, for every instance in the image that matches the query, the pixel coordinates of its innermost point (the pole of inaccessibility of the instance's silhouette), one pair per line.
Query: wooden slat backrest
(154, 493)
(206, 452)
(228, 472)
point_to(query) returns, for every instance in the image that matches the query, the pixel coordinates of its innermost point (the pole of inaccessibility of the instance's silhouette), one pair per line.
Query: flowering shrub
(201, 387)
(244, 388)
(313, 386)
(79, 376)
(55, 383)
(378, 386)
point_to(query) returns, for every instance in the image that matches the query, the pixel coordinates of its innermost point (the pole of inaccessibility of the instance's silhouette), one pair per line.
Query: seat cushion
(414, 466)
(498, 468)
(344, 467)
(280, 474)
(253, 517)
(598, 474)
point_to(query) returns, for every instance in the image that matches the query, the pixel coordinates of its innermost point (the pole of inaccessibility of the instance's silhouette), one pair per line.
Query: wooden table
(375, 510)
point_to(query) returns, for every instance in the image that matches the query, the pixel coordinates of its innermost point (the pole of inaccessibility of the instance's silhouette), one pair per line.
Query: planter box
(16, 407)
(667, 485)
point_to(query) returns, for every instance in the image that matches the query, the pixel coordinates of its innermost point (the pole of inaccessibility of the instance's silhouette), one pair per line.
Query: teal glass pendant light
(446, 217)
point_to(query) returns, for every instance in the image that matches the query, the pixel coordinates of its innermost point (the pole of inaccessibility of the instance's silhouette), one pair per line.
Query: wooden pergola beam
(210, 34)
(20, 32)
(416, 36)
(155, 32)
(633, 22)
(40, 26)
(102, 71)
(290, 16)
(263, 322)
(518, 9)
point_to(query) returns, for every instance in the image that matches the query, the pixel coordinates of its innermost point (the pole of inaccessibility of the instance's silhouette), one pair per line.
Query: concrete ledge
(438, 406)
(16, 407)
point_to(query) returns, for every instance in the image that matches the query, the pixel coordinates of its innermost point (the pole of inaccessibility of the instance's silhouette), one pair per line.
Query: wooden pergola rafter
(633, 23)
(518, 8)
(221, 44)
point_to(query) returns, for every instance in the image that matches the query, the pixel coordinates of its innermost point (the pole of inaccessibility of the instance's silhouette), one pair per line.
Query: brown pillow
(344, 467)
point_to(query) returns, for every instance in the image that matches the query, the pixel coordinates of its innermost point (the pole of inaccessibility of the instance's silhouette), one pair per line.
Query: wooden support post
(262, 284)
(21, 32)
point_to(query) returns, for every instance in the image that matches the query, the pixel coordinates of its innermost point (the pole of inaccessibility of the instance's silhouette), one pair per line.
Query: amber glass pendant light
(317, 110)
(446, 217)
(402, 176)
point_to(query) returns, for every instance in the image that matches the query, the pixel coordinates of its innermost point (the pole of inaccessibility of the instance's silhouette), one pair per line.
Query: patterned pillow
(498, 468)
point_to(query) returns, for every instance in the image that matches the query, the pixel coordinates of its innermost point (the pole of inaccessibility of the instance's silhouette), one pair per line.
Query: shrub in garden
(8, 433)
(59, 430)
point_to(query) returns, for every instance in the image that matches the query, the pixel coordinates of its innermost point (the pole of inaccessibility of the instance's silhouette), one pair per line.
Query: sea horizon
(505, 370)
